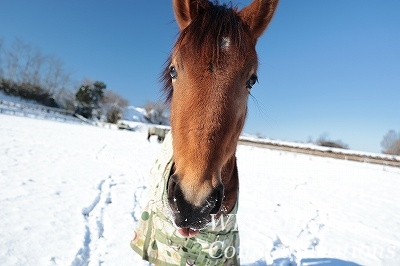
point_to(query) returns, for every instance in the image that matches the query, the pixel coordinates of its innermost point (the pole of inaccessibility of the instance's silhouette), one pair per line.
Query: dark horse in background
(211, 71)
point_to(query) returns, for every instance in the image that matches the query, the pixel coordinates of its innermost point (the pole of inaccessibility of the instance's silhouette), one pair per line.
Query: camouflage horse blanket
(156, 238)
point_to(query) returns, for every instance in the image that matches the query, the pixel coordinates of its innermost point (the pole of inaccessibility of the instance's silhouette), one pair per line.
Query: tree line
(390, 143)
(28, 73)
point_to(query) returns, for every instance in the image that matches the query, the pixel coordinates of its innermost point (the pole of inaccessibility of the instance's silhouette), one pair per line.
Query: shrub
(29, 92)
(114, 113)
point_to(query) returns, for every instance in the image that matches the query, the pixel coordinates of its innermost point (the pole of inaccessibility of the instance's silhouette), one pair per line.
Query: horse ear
(185, 11)
(258, 15)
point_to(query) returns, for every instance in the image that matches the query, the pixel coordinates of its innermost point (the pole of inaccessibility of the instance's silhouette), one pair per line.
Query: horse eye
(172, 72)
(250, 83)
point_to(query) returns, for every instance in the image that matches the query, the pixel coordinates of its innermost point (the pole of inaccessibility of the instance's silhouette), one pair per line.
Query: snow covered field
(70, 194)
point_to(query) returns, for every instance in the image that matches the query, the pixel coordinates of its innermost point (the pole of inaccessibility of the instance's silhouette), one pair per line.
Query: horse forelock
(208, 35)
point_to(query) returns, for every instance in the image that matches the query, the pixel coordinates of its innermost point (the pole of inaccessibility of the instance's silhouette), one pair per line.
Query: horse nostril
(172, 183)
(217, 197)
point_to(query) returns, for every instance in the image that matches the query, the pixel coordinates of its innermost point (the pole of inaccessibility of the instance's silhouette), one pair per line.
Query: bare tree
(112, 98)
(13, 60)
(30, 74)
(36, 65)
(1, 58)
(30, 65)
(66, 99)
(391, 143)
(114, 114)
(156, 112)
(160, 107)
(112, 105)
(54, 73)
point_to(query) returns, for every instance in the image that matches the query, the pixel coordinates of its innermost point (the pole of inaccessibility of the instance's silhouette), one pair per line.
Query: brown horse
(210, 73)
(207, 81)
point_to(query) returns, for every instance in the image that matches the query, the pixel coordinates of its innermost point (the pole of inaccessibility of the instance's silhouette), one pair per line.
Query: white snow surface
(70, 194)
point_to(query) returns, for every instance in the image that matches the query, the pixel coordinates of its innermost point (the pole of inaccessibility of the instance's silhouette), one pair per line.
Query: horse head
(210, 73)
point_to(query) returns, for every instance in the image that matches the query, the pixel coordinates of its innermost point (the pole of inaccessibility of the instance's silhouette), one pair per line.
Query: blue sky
(326, 67)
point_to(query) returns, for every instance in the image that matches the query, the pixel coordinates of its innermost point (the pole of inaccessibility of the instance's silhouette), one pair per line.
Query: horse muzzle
(188, 216)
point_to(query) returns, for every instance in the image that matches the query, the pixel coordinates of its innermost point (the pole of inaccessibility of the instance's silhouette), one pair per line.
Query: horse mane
(204, 36)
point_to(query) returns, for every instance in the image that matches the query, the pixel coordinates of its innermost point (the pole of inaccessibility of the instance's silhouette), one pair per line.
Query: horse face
(212, 69)
(208, 111)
